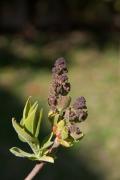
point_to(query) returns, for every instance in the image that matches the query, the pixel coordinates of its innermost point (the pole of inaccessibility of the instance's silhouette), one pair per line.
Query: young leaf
(23, 134)
(64, 133)
(46, 159)
(61, 128)
(20, 153)
(26, 108)
(30, 120)
(56, 118)
(33, 106)
(47, 142)
(61, 124)
(38, 123)
(64, 143)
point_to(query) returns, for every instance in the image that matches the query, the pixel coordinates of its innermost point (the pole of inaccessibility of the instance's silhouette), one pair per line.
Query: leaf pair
(32, 117)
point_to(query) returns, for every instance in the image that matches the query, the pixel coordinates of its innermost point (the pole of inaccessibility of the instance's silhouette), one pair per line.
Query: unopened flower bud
(80, 103)
(60, 84)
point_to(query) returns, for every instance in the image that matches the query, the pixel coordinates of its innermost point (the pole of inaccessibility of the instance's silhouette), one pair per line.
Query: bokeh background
(33, 34)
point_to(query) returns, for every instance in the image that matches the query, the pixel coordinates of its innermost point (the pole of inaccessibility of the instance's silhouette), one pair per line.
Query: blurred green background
(33, 34)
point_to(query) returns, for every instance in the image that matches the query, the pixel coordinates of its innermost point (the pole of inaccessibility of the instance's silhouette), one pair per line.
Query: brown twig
(38, 167)
(35, 170)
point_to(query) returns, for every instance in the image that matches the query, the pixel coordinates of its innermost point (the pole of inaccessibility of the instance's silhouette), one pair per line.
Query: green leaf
(39, 123)
(47, 142)
(62, 129)
(65, 143)
(27, 108)
(33, 106)
(61, 124)
(30, 120)
(23, 134)
(64, 133)
(56, 118)
(46, 159)
(20, 153)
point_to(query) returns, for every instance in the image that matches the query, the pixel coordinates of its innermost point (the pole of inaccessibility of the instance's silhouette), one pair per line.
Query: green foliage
(28, 130)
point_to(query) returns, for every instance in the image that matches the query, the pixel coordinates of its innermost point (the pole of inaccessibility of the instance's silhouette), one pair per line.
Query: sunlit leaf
(37, 129)
(65, 143)
(61, 124)
(56, 118)
(20, 153)
(33, 106)
(22, 133)
(64, 133)
(47, 142)
(46, 159)
(27, 108)
(30, 120)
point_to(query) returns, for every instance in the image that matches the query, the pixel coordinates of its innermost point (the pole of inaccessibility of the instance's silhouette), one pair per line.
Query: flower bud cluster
(74, 129)
(74, 115)
(60, 85)
(78, 112)
(66, 118)
(80, 103)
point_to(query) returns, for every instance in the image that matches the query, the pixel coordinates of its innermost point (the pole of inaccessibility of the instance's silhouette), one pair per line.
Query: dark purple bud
(80, 103)
(74, 129)
(81, 114)
(78, 130)
(57, 88)
(60, 84)
(70, 115)
(62, 78)
(60, 66)
(52, 101)
(65, 89)
(85, 115)
(60, 62)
